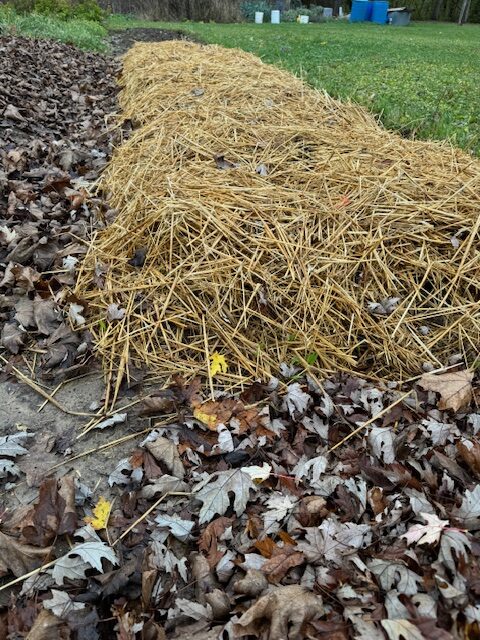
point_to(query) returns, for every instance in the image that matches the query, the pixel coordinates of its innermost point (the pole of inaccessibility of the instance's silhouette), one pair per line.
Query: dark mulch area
(54, 142)
(121, 41)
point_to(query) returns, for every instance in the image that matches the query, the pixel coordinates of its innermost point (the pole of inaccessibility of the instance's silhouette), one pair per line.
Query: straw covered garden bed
(262, 221)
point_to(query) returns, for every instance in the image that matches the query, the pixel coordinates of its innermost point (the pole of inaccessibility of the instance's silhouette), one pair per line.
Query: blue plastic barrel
(379, 12)
(361, 10)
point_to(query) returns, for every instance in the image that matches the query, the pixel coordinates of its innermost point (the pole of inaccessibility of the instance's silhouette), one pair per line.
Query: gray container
(399, 17)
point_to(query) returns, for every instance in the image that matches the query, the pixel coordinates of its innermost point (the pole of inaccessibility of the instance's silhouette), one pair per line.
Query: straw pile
(277, 226)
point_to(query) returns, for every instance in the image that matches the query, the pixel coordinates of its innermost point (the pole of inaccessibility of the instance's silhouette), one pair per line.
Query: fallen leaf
(60, 604)
(469, 511)
(117, 418)
(47, 627)
(75, 314)
(215, 493)
(83, 556)
(12, 337)
(296, 400)
(395, 575)
(166, 451)
(54, 514)
(284, 610)
(455, 388)
(213, 413)
(223, 163)
(426, 533)
(20, 558)
(469, 451)
(179, 528)
(258, 474)
(208, 540)
(115, 313)
(218, 364)
(401, 630)
(277, 567)
(101, 514)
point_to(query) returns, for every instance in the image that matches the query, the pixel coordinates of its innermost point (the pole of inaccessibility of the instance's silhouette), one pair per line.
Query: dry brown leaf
(469, 450)
(54, 514)
(209, 538)
(284, 609)
(164, 450)
(277, 567)
(20, 558)
(213, 413)
(48, 627)
(455, 388)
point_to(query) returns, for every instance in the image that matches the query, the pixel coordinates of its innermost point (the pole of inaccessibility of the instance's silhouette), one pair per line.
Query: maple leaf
(401, 630)
(256, 473)
(277, 567)
(469, 511)
(163, 558)
(75, 314)
(426, 533)
(296, 400)
(457, 541)
(179, 528)
(82, 556)
(391, 574)
(101, 514)
(332, 540)
(279, 507)
(60, 604)
(193, 610)
(455, 388)
(218, 364)
(213, 413)
(382, 442)
(214, 493)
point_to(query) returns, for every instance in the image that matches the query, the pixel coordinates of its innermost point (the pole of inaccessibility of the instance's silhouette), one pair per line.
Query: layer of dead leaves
(258, 526)
(53, 144)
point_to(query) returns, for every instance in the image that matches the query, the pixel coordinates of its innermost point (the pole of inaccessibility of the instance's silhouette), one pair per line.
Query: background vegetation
(85, 34)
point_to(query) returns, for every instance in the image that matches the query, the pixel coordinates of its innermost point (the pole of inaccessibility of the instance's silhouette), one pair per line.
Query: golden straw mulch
(278, 224)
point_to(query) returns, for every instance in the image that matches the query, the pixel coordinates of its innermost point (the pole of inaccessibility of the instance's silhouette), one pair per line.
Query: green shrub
(88, 10)
(249, 8)
(59, 8)
(21, 6)
(314, 13)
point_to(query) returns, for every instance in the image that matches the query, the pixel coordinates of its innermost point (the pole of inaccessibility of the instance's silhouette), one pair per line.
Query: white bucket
(304, 19)
(275, 16)
(258, 17)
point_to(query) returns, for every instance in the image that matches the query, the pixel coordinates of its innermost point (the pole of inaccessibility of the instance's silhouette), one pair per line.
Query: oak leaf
(455, 388)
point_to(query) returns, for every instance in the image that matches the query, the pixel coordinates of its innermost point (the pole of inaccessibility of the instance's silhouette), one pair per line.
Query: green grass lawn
(423, 80)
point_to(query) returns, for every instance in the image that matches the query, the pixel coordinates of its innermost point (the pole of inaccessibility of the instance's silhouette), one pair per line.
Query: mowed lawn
(423, 80)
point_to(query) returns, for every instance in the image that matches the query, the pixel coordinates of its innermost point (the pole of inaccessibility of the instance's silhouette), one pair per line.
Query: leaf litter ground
(344, 509)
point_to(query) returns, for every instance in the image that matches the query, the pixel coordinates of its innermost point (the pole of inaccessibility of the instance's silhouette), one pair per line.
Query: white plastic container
(258, 17)
(340, 12)
(275, 16)
(304, 19)
(328, 12)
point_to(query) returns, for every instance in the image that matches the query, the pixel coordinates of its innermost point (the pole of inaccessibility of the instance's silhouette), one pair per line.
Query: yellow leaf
(218, 364)
(101, 513)
(209, 420)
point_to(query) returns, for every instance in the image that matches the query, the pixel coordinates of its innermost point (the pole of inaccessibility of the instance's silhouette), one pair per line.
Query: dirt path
(121, 41)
